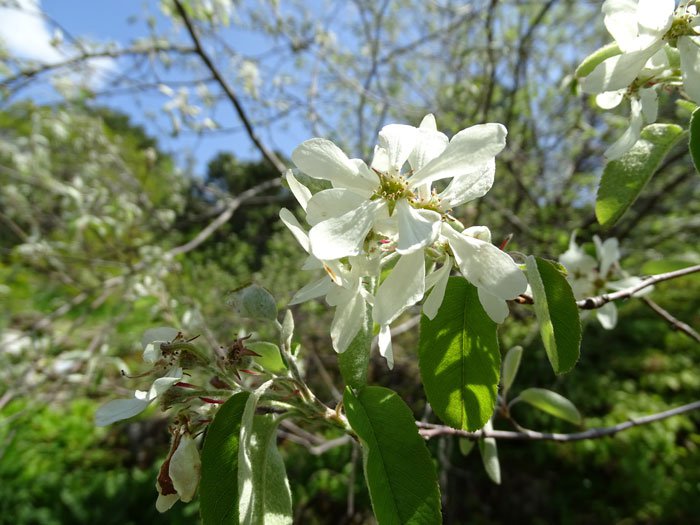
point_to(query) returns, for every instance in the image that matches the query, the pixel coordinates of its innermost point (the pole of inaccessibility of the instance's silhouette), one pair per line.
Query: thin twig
(675, 323)
(268, 154)
(428, 430)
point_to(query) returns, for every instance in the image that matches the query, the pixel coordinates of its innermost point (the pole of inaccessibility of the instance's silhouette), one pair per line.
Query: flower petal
(608, 253)
(495, 307)
(403, 288)
(472, 146)
(689, 49)
(417, 228)
(431, 143)
(621, 21)
(321, 159)
(485, 266)
(331, 203)
(654, 18)
(438, 282)
(398, 141)
(291, 222)
(162, 384)
(631, 135)
(650, 104)
(347, 321)
(385, 348)
(343, 236)
(618, 72)
(165, 503)
(185, 467)
(609, 99)
(312, 291)
(607, 315)
(119, 409)
(469, 186)
(301, 193)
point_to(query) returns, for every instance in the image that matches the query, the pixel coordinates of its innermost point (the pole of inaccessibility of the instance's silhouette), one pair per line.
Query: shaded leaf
(489, 456)
(269, 356)
(551, 403)
(511, 363)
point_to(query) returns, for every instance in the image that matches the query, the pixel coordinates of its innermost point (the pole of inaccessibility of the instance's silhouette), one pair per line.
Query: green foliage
(557, 313)
(399, 471)
(550, 402)
(624, 179)
(591, 61)
(218, 488)
(694, 138)
(354, 362)
(459, 358)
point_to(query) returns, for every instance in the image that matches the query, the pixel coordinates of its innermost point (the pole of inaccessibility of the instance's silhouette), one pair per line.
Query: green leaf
(694, 141)
(466, 446)
(459, 358)
(510, 367)
(354, 362)
(400, 473)
(624, 179)
(591, 61)
(263, 490)
(489, 456)
(551, 403)
(270, 358)
(218, 488)
(557, 313)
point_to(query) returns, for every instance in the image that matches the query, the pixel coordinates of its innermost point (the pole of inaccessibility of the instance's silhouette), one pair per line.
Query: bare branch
(675, 323)
(428, 430)
(268, 154)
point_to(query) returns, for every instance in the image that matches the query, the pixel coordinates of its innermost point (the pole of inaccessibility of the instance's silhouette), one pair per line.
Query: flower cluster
(656, 45)
(590, 276)
(380, 231)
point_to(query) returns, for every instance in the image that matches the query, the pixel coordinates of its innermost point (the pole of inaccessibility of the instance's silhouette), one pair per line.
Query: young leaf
(466, 446)
(557, 314)
(510, 367)
(624, 179)
(591, 61)
(694, 141)
(551, 403)
(218, 488)
(400, 473)
(459, 358)
(489, 456)
(354, 362)
(269, 356)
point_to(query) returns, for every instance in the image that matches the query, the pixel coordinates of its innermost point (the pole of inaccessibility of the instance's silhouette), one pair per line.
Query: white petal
(608, 253)
(495, 307)
(689, 48)
(164, 503)
(398, 140)
(485, 266)
(119, 409)
(312, 290)
(291, 222)
(343, 236)
(631, 135)
(430, 145)
(438, 282)
(621, 21)
(162, 384)
(185, 466)
(618, 72)
(576, 260)
(331, 203)
(650, 104)
(428, 123)
(629, 282)
(417, 228)
(151, 340)
(321, 159)
(380, 161)
(403, 288)
(478, 232)
(472, 146)
(654, 18)
(347, 321)
(301, 193)
(607, 315)
(609, 99)
(469, 186)
(385, 348)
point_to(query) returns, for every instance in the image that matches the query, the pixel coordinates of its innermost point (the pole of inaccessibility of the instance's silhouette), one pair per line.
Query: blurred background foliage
(94, 215)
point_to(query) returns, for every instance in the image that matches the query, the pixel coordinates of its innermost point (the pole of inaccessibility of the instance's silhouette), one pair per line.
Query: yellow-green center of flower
(393, 188)
(681, 26)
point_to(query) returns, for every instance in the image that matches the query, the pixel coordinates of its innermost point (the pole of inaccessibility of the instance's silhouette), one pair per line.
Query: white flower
(119, 409)
(388, 196)
(180, 475)
(640, 29)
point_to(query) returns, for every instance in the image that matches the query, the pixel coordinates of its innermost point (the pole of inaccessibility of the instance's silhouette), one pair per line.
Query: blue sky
(108, 20)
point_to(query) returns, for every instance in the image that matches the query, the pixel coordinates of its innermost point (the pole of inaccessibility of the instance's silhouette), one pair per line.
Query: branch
(268, 154)
(675, 323)
(429, 430)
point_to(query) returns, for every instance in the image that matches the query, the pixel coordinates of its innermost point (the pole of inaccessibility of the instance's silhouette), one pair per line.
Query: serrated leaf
(551, 403)
(511, 363)
(489, 456)
(354, 362)
(557, 313)
(218, 488)
(264, 497)
(400, 473)
(624, 179)
(591, 61)
(694, 140)
(269, 356)
(459, 358)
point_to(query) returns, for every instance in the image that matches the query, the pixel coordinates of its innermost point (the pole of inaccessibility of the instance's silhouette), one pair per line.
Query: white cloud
(25, 33)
